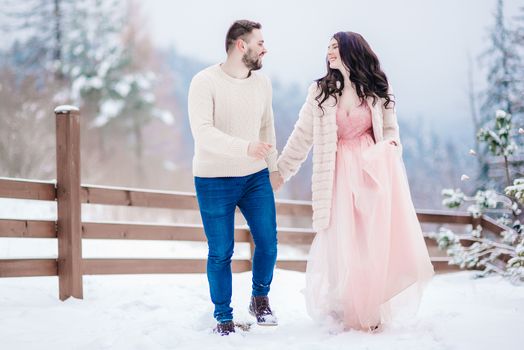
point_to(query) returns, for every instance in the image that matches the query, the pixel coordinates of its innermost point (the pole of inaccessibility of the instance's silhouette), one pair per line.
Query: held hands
(276, 180)
(259, 150)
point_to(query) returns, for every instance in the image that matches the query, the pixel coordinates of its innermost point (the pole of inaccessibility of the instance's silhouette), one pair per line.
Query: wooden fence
(69, 230)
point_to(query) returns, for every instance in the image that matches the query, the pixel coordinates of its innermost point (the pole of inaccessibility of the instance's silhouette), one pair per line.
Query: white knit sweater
(225, 115)
(320, 131)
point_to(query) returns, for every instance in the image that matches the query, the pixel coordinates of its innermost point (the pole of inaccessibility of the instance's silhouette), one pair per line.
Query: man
(231, 118)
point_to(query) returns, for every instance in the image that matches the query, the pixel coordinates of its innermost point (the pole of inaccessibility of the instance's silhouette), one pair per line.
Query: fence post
(69, 229)
(476, 221)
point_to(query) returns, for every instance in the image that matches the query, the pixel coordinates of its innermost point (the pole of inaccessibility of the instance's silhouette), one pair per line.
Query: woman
(369, 251)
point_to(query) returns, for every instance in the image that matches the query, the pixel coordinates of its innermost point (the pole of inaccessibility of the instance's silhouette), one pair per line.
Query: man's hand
(276, 180)
(258, 149)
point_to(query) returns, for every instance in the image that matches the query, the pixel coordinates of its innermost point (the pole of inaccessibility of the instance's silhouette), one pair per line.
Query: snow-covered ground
(174, 312)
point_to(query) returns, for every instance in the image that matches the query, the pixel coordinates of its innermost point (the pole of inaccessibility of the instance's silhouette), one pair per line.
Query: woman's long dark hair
(364, 71)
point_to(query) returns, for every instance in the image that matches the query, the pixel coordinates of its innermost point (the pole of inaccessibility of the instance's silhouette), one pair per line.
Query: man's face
(255, 50)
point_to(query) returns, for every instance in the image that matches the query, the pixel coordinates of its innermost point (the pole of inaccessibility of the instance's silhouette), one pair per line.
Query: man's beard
(251, 61)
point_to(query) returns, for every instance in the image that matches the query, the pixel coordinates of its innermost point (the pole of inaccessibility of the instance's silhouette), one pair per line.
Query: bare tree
(26, 128)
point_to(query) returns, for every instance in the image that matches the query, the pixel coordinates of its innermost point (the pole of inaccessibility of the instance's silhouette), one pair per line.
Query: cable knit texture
(318, 129)
(225, 115)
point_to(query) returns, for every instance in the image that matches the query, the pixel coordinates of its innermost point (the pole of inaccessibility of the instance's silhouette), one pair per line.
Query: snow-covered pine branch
(502, 255)
(517, 190)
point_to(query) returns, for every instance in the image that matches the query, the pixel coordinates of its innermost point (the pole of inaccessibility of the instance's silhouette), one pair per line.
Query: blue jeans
(218, 197)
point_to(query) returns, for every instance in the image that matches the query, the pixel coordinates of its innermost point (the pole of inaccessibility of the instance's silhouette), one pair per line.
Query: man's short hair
(240, 29)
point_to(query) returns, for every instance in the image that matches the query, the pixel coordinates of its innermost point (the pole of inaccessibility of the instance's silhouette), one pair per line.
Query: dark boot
(259, 307)
(224, 328)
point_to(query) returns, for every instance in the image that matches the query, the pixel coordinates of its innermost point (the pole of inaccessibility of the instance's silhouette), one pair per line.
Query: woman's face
(333, 55)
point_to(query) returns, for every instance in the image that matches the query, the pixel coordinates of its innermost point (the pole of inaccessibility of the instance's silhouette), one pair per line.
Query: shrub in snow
(502, 255)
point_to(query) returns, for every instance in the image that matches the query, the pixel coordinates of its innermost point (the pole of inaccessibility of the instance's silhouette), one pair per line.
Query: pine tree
(499, 137)
(99, 53)
(503, 91)
(503, 62)
(499, 141)
(29, 76)
(106, 61)
(484, 251)
(37, 27)
(517, 40)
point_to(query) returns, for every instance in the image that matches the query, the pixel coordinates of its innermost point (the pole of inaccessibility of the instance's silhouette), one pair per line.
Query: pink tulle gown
(372, 260)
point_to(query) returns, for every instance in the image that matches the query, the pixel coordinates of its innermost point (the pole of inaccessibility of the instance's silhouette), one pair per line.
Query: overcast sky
(423, 45)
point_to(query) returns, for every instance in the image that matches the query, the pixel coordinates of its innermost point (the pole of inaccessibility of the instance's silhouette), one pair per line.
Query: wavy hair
(364, 71)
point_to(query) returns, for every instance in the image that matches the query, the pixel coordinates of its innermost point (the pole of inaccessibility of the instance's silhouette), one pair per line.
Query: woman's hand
(276, 180)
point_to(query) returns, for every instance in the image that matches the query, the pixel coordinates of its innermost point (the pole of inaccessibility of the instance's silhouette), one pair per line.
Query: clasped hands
(260, 150)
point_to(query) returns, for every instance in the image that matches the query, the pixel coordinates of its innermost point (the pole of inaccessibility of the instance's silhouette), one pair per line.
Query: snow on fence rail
(69, 230)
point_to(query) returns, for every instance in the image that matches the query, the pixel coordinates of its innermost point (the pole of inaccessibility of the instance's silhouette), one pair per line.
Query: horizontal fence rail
(23, 189)
(190, 232)
(27, 189)
(69, 230)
